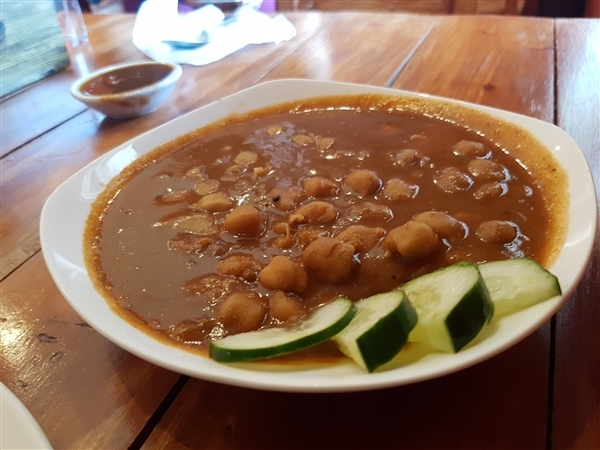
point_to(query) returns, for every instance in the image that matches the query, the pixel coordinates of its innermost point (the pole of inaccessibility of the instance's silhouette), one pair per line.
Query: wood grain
(495, 405)
(337, 55)
(413, 6)
(84, 391)
(576, 409)
(505, 396)
(30, 113)
(511, 7)
(410, 6)
(29, 176)
(87, 393)
(505, 62)
(33, 47)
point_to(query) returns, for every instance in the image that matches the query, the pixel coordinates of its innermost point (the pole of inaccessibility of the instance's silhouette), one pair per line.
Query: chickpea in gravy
(257, 221)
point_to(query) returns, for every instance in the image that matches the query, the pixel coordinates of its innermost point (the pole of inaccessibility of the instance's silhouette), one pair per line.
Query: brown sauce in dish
(126, 79)
(260, 219)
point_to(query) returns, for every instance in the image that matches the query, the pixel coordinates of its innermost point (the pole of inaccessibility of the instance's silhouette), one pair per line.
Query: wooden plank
(466, 410)
(505, 62)
(29, 113)
(84, 391)
(337, 55)
(32, 48)
(413, 6)
(501, 403)
(24, 178)
(576, 408)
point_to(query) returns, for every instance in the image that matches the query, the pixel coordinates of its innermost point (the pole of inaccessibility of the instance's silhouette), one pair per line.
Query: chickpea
(497, 231)
(246, 157)
(316, 212)
(245, 221)
(320, 187)
(287, 199)
(190, 243)
(406, 158)
(330, 259)
(283, 307)
(307, 237)
(241, 312)
(213, 286)
(443, 224)
(201, 224)
(235, 169)
(398, 190)
(286, 239)
(302, 139)
(452, 180)
(240, 266)
(283, 274)
(284, 242)
(413, 240)
(261, 171)
(204, 187)
(363, 182)
(172, 196)
(191, 330)
(361, 238)
(469, 148)
(325, 143)
(369, 212)
(486, 170)
(281, 228)
(216, 202)
(196, 172)
(274, 130)
(490, 191)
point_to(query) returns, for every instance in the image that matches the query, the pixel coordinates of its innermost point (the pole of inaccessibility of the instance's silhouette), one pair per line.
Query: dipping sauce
(126, 79)
(257, 221)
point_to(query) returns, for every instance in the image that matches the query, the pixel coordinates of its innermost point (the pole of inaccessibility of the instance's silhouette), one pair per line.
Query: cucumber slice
(379, 329)
(515, 284)
(322, 324)
(453, 305)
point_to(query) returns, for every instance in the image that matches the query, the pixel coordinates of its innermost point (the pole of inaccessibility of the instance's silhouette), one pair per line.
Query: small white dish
(18, 427)
(125, 91)
(70, 204)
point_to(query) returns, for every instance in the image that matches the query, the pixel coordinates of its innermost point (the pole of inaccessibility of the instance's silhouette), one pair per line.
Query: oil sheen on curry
(256, 221)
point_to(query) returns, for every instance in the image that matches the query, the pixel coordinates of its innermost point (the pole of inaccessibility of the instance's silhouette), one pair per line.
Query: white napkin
(159, 20)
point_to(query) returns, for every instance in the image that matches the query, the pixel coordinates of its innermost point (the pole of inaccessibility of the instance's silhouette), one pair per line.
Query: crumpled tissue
(159, 20)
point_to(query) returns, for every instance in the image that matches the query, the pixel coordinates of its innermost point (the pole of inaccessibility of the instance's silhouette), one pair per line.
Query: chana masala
(256, 220)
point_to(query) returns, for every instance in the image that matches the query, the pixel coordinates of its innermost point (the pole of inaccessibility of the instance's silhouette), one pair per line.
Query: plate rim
(19, 427)
(294, 381)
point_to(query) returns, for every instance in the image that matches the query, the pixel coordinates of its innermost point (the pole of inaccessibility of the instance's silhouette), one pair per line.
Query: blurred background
(542, 8)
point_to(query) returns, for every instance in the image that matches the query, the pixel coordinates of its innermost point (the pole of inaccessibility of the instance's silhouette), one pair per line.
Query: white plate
(18, 428)
(65, 212)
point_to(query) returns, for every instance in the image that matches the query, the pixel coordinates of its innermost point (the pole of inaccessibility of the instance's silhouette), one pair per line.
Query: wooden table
(85, 392)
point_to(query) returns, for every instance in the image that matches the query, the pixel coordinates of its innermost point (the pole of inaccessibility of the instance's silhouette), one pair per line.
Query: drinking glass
(71, 23)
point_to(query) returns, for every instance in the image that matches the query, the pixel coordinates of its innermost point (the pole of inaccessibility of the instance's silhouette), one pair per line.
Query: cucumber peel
(453, 305)
(320, 325)
(515, 284)
(379, 329)
(445, 309)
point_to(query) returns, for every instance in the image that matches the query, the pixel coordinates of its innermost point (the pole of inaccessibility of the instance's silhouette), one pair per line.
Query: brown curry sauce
(154, 251)
(126, 79)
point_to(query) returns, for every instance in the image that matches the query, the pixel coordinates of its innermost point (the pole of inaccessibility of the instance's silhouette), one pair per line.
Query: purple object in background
(267, 6)
(183, 8)
(131, 5)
